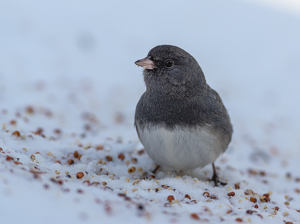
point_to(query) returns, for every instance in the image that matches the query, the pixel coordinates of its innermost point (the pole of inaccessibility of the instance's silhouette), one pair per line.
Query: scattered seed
(99, 147)
(231, 194)
(131, 169)
(239, 220)
(171, 198)
(71, 161)
(276, 208)
(134, 189)
(79, 175)
(195, 216)
(237, 186)
(187, 196)
(80, 191)
(16, 133)
(13, 122)
(9, 158)
(76, 154)
(104, 183)
(109, 158)
(121, 156)
(253, 199)
(134, 160)
(229, 211)
(250, 212)
(206, 194)
(260, 215)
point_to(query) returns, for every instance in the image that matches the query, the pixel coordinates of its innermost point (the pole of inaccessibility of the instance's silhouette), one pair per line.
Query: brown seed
(187, 196)
(231, 194)
(256, 206)
(79, 157)
(71, 161)
(13, 122)
(239, 220)
(276, 208)
(229, 211)
(297, 190)
(9, 158)
(214, 197)
(87, 182)
(134, 160)
(57, 131)
(79, 175)
(171, 198)
(262, 173)
(131, 169)
(39, 131)
(18, 163)
(253, 199)
(60, 182)
(29, 110)
(289, 223)
(260, 215)
(79, 191)
(16, 133)
(121, 156)
(99, 147)
(250, 212)
(76, 154)
(252, 172)
(195, 216)
(104, 183)
(237, 186)
(141, 152)
(298, 210)
(286, 203)
(264, 199)
(57, 161)
(109, 158)
(266, 195)
(206, 194)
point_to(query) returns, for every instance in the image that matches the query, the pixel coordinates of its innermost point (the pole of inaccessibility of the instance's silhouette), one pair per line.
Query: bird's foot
(215, 177)
(216, 180)
(156, 168)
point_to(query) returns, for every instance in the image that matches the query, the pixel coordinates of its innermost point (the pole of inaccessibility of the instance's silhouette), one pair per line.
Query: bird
(180, 120)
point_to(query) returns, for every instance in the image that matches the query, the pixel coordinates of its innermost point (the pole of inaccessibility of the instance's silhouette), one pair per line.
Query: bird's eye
(169, 63)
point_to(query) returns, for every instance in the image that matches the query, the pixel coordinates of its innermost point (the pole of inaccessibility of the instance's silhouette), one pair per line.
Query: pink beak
(146, 63)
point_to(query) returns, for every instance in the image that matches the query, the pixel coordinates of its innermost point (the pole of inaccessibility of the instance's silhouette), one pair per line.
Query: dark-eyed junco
(180, 120)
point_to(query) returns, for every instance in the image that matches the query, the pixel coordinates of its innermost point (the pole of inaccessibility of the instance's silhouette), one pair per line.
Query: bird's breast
(180, 148)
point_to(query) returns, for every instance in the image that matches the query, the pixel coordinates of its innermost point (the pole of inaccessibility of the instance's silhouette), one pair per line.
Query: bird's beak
(146, 63)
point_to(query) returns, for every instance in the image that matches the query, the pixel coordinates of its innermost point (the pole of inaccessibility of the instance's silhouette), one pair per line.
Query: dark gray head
(173, 72)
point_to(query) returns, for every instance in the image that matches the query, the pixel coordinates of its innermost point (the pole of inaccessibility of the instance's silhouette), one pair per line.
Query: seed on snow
(131, 169)
(79, 175)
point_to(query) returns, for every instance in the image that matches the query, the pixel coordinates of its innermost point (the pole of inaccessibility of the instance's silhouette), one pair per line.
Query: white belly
(180, 148)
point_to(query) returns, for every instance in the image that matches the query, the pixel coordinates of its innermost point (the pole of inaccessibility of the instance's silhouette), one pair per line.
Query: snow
(69, 66)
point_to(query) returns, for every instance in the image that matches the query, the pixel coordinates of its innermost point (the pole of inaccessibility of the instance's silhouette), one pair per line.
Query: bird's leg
(156, 168)
(215, 177)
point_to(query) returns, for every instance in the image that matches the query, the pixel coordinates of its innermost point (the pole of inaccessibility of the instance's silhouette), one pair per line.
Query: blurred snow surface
(68, 83)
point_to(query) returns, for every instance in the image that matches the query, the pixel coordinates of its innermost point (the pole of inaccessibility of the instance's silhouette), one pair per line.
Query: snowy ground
(68, 84)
